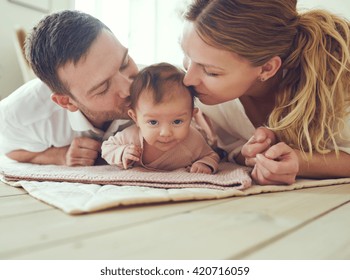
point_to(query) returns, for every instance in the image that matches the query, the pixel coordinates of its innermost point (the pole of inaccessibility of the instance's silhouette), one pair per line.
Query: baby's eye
(153, 122)
(177, 122)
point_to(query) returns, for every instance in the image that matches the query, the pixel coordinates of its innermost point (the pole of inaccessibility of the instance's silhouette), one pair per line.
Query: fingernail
(251, 140)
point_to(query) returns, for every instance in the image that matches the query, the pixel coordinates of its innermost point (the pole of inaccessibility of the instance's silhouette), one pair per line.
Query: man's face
(100, 81)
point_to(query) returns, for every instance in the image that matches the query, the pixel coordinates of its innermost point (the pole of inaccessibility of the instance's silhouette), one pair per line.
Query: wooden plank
(325, 238)
(6, 190)
(218, 231)
(20, 204)
(44, 229)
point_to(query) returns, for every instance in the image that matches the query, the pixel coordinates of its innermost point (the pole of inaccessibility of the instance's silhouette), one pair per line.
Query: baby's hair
(159, 79)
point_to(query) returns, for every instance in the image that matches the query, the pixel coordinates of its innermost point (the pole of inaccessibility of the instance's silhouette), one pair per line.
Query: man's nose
(124, 88)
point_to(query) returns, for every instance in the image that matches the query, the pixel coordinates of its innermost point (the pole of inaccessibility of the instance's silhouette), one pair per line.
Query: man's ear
(270, 68)
(132, 115)
(64, 101)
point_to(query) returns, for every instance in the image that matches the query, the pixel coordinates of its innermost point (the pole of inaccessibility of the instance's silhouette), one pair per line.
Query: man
(87, 73)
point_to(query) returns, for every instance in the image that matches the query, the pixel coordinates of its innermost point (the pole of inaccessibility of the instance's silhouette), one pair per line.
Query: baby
(162, 137)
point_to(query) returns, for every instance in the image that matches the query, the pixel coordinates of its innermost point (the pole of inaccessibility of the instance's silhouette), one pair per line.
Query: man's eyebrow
(126, 53)
(91, 90)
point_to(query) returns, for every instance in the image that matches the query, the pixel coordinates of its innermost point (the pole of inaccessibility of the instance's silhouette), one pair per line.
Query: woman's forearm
(324, 166)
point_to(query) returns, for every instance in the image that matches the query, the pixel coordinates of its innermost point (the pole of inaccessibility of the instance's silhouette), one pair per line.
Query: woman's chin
(207, 100)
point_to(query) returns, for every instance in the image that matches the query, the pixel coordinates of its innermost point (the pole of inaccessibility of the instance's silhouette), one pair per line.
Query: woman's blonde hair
(313, 99)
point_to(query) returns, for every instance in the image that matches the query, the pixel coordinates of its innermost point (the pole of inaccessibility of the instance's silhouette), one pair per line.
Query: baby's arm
(121, 155)
(122, 149)
(207, 160)
(112, 150)
(119, 150)
(200, 167)
(131, 154)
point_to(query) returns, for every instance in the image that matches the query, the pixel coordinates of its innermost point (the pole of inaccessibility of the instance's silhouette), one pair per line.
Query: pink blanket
(229, 175)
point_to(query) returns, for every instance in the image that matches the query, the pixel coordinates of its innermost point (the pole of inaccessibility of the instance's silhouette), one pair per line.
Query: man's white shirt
(31, 121)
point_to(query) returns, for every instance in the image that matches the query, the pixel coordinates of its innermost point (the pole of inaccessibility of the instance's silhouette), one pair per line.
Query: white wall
(149, 28)
(168, 27)
(12, 15)
(340, 7)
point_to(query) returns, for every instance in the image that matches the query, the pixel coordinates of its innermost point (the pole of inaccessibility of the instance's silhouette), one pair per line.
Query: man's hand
(82, 152)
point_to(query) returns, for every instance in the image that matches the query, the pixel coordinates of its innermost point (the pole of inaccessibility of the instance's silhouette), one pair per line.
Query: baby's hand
(199, 167)
(260, 142)
(131, 154)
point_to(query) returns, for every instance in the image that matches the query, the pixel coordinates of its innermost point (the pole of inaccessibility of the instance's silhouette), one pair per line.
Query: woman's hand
(279, 164)
(260, 142)
(272, 163)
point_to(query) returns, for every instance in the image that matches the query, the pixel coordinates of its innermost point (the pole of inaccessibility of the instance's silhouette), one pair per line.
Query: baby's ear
(132, 115)
(194, 111)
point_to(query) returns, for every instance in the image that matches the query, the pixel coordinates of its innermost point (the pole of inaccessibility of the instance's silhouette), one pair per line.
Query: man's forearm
(50, 156)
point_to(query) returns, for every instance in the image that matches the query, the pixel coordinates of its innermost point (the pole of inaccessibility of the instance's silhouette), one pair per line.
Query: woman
(279, 82)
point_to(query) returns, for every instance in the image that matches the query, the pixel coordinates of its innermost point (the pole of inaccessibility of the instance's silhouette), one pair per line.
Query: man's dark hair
(57, 39)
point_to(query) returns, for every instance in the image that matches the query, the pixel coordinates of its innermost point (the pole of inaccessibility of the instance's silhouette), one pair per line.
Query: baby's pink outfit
(192, 149)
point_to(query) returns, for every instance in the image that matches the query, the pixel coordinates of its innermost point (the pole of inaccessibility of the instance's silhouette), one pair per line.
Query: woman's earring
(262, 79)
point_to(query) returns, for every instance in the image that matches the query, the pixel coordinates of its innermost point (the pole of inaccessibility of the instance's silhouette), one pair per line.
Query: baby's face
(167, 123)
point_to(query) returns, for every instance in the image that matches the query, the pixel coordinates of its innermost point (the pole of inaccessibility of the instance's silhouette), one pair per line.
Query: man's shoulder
(29, 103)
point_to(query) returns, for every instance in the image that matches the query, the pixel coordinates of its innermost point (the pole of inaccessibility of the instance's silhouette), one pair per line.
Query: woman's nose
(191, 78)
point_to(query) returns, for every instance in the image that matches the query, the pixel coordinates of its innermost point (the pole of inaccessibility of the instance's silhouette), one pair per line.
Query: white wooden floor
(311, 223)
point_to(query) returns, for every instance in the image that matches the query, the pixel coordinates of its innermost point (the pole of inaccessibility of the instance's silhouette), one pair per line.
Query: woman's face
(217, 75)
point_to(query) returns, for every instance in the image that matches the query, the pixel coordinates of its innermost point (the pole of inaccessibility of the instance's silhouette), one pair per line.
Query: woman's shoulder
(229, 108)
(235, 103)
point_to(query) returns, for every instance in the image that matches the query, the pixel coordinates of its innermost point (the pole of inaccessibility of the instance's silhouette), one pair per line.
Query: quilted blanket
(77, 190)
